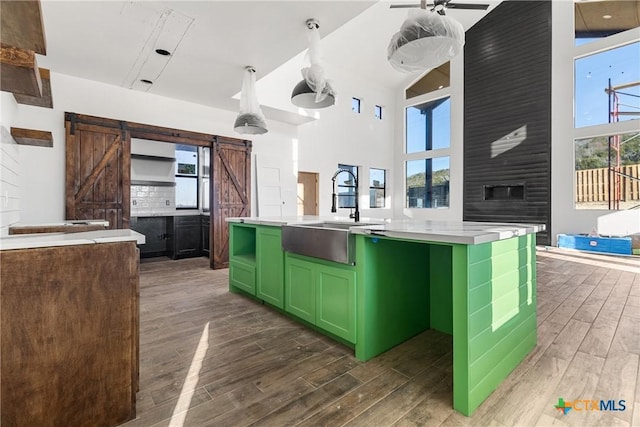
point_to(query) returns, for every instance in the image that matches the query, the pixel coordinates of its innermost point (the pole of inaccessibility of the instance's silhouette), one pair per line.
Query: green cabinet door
(322, 293)
(300, 289)
(336, 301)
(242, 275)
(270, 266)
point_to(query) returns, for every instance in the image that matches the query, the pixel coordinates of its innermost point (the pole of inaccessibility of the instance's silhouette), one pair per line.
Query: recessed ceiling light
(606, 16)
(149, 82)
(163, 52)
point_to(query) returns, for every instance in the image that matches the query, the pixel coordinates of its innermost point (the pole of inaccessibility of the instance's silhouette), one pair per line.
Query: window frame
(427, 153)
(343, 166)
(195, 177)
(377, 112)
(607, 129)
(358, 104)
(374, 187)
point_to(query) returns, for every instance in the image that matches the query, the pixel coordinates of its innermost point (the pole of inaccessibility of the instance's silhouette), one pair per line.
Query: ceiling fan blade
(470, 6)
(403, 6)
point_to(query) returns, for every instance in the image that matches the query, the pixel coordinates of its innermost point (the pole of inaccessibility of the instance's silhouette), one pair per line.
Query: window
(428, 183)
(355, 105)
(377, 187)
(428, 135)
(186, 177)
(347, 186)
(428, 126)
(378, 112)
(604, 90)
(608, 172)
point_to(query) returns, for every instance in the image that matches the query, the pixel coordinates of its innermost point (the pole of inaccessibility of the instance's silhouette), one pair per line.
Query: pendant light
(426, 40)
(250, 119)
(314, 91)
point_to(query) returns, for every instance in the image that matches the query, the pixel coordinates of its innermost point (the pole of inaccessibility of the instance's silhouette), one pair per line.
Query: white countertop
(462, 232)
(43, 240)
(69, 222)
(168, 213)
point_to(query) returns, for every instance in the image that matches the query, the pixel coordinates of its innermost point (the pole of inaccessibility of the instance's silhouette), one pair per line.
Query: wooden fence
(592, 185)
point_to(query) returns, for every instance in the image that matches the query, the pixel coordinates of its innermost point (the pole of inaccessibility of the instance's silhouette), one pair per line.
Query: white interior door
(277, 186)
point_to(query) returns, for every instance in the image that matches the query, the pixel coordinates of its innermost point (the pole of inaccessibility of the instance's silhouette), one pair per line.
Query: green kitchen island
(474, 281)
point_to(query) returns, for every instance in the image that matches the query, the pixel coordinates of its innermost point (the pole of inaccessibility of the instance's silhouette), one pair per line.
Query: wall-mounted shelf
(156, 183)
(38, 138)
(156, 158)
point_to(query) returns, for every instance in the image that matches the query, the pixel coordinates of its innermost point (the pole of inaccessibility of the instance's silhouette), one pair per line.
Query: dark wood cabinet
(205, 223)
(184, 236)
(155, 232)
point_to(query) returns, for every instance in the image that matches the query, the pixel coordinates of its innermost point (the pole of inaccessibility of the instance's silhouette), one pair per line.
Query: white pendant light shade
(314, 91)
(250, 120)
(426, 40)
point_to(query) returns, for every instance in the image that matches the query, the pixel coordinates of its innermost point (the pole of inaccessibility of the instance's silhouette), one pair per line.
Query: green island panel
(392, 293)
(494, 312)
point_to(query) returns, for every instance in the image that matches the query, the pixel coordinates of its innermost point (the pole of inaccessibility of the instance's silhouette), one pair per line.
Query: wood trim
(19, 71)
(22, 26)
(71, 178)
(98, 169)
(125, 179)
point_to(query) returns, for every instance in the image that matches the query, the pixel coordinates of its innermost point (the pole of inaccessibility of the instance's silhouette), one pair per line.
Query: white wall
(43, 179)
(343, 136)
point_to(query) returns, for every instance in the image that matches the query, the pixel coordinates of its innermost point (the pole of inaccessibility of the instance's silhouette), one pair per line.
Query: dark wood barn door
(97, 173)
(231, 193)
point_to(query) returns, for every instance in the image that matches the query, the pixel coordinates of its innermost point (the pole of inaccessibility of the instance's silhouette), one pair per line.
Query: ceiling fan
(441, 5)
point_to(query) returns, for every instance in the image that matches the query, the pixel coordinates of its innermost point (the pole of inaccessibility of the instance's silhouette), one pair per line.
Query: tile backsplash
(152, 199)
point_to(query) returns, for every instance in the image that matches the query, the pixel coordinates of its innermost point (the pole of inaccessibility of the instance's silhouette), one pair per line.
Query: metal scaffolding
(615, 173)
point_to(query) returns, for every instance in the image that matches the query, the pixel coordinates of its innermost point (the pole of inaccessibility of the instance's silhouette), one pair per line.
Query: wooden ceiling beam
(19, 71)
(21, 25)
(46, 100)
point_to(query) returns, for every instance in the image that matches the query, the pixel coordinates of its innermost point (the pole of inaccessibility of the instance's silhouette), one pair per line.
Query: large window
(608, 172)
(606, 106)
(429, 126)
(427, 167)
(347, 186)
(428, 183)
(604, 86)
(186, 177)
(377, 188)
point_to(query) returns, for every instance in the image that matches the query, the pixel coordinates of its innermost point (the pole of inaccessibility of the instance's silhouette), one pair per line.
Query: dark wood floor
(212, 358)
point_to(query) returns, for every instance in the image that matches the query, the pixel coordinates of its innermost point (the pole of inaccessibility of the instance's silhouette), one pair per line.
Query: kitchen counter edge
(457, 232)
(44, 240)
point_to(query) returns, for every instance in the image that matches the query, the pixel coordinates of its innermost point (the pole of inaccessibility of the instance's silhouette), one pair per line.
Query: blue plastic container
(612, 245)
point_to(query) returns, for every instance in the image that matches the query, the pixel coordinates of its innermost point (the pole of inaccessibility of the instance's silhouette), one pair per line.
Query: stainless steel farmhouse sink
(326, 240)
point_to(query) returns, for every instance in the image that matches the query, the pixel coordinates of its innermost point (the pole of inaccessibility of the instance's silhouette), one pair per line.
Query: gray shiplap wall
(507, 104)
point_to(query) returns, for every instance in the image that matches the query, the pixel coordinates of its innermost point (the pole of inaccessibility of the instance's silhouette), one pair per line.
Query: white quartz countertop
(69, 222)
(185, 212)
(462, 232)
(43, 240)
